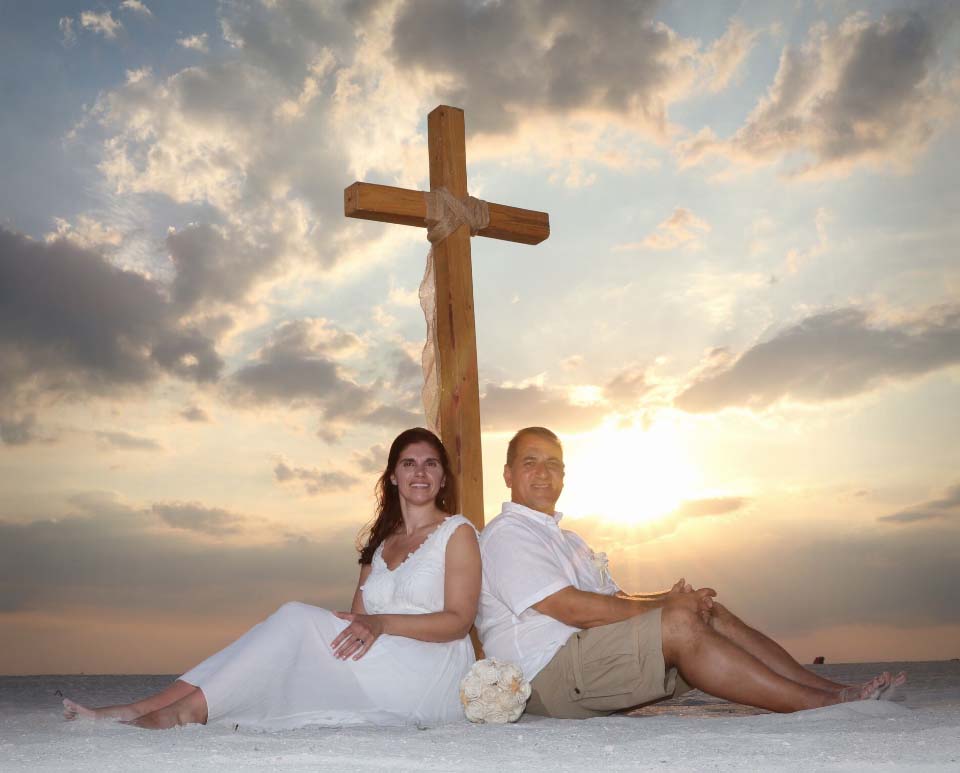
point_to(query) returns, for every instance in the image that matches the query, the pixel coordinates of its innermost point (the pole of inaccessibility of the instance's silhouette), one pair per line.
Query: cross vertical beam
(456, 323)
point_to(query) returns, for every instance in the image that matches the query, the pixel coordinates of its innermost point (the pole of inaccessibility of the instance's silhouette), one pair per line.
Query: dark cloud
(73, 324)
(373, 461)
(315, 481)
(127, 441)
(626, 388)
(506, 59)
(947, 507)
(296, 366)
(509, 408)
(214, 264)
(17, 432)
(864, 91)
(828, 356)
(192, 516)
(195, 413)
(110, 556)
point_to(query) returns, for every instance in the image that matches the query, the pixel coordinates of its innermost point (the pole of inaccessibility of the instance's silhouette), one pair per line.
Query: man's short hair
(515, 440)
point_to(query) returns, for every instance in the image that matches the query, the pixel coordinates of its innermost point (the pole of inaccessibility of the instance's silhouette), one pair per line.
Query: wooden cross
(456, 327)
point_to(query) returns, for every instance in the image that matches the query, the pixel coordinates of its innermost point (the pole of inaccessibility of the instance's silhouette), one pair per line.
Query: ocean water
(930, 684)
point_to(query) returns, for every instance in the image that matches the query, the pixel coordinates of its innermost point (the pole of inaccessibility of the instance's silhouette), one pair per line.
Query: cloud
(136, 6)
(106, 555)
(373, 461)
(509, 408)
(625, 534)
(827, 356)
(505, 61)
(315, 481)
(101, 23)
(627, 387)
(682, 228)
(297, 366)
(67, 31)
(19, 431)
(947, 507)
(195, 413)
(127, 441)
(865, 92)
(214, 263)
(72, 324)
(192, 516)
(723, 58)
(195, 42)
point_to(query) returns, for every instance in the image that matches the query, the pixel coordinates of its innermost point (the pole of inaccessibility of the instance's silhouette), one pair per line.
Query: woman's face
(418, 475)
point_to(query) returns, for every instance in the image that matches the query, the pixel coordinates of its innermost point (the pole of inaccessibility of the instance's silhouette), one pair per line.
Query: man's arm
(582, 609)
(680, 586)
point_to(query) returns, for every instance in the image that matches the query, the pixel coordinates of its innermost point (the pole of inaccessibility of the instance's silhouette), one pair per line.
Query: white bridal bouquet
(494, 692)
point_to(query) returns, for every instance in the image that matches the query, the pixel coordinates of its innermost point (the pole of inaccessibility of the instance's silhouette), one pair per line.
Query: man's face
(535, 478)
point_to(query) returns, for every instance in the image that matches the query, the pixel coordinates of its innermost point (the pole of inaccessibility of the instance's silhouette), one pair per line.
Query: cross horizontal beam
(403, 206)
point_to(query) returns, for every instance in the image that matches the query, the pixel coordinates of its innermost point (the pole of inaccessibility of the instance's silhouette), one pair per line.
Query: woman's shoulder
(452, 525)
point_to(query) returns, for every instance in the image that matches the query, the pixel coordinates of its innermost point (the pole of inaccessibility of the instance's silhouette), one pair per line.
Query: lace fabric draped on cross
(445, 213)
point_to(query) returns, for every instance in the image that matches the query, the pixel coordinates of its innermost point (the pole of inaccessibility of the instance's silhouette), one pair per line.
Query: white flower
(602, 564)
(486, 671)
(496, 717)
(494, 692)
(470, 687)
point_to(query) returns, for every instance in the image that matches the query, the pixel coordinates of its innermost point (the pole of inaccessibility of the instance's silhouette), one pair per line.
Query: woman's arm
(461, 592)
(357, 606)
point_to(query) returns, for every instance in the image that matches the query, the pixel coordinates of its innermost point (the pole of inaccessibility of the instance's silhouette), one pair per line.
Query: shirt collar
(518, 509)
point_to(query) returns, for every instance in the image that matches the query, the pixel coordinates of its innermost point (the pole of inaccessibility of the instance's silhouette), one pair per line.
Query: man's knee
(680, 620)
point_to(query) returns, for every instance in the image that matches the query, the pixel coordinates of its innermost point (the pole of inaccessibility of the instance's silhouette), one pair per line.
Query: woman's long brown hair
(389, 517)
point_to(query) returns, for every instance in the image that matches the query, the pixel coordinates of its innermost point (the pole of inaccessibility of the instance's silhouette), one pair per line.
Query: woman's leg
(128, 711)
(189, 710)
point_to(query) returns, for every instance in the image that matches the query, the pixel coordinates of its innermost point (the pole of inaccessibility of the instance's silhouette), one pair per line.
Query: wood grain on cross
(456, 327)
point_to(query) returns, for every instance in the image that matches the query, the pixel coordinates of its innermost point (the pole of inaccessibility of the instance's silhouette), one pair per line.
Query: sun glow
(627, 474)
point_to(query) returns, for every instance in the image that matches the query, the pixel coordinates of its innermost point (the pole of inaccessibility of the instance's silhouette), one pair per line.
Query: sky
(745, 324)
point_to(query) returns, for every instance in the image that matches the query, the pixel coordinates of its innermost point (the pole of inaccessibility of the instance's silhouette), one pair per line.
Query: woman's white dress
(282, 672)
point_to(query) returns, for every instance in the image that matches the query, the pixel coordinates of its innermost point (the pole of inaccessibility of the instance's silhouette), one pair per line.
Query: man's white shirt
(527, 557)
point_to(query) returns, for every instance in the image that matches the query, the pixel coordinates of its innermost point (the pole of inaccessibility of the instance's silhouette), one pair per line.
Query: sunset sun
(628, 475)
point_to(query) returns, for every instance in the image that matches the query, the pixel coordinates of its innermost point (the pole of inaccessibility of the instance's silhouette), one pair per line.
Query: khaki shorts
(606, 669)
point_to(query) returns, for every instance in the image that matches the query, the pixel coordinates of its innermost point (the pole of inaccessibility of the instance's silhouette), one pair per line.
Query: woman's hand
(357, 638)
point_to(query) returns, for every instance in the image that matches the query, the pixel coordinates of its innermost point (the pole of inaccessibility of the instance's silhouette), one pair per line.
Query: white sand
(698, 733)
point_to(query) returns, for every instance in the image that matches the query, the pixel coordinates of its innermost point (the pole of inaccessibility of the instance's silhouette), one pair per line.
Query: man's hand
(680, 586)
(699, 601)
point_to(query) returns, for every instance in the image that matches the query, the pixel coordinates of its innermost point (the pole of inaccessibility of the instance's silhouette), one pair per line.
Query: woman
(396, 658)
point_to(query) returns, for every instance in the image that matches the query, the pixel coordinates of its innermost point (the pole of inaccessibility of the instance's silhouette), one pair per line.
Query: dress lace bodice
(416, 585)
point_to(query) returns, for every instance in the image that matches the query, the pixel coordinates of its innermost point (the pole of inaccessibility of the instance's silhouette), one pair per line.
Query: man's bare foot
(868, 691)
(891, 691)
(73, 710)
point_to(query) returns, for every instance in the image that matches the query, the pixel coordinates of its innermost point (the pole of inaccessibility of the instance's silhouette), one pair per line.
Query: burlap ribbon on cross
(445, 214)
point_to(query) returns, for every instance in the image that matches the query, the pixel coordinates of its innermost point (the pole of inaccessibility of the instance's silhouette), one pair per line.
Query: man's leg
(765, 649)
(717, 665)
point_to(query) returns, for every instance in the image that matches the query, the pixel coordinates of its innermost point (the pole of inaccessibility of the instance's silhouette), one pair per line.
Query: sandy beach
(697, 732)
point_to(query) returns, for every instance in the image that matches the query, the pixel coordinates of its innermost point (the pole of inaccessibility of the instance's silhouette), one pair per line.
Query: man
(588, 649)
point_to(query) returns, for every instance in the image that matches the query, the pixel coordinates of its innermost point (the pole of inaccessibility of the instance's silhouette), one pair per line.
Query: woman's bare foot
(73, 710)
